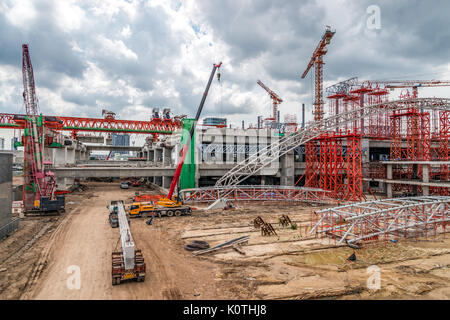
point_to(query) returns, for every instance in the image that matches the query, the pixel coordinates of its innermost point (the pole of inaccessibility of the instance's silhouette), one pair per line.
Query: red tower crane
(317, 62)
(275, 98)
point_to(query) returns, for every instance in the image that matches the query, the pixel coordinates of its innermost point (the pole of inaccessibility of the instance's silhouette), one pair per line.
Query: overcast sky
(130, 56)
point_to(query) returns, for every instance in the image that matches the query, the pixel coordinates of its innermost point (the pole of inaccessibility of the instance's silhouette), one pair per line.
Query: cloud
(130, 56)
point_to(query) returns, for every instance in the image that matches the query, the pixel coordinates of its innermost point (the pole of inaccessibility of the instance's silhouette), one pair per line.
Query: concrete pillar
(426, 178)
(158, 181)
(263, 180)
(6, 193)
(389, 177)
(229, 141)
(61, 183)
(240, 141)
(70, 156)
(167, 154)
(151, 156)
(166, 182)
(287, 169)
(158, 156)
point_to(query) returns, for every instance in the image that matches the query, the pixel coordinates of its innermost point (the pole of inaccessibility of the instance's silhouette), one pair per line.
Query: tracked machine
(174, 203)
(39, 184)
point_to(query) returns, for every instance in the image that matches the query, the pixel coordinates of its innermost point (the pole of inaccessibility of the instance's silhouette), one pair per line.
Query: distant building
(215, 122)
(122, 140)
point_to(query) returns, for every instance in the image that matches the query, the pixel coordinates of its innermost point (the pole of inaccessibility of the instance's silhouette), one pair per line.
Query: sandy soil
(290, 265)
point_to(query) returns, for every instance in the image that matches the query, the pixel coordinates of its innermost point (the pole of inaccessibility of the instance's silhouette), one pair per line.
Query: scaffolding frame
(267, 155)
(387, 219)
(256, 193)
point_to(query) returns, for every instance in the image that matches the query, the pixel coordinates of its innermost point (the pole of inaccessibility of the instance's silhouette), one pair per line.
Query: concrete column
(229, 141)
(151, 156)
(70, 156)
(166, 154)
(287, 169)
(158, 156)
(6, 194)
(166, 182)
(61, 183)
(158, 181)
(263, 180)
(240, 141)
(389, 177)
(426, 178)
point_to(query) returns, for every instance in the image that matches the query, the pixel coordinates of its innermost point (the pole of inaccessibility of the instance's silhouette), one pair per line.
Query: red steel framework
(76, 124)
(333, 163)
(256, 193)
(414, 135)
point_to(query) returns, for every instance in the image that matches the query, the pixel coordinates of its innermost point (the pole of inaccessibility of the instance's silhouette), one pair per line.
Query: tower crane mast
(317, 62)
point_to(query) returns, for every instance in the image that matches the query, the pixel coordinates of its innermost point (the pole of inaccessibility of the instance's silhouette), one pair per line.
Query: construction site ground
(34, 261)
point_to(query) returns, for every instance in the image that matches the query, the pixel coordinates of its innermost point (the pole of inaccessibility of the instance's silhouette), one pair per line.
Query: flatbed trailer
(129, 263)
(120, 274)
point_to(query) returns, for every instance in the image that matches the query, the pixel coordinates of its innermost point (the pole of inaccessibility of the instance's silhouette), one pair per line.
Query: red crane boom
(317, 62)
(185, 149)
(275, 98)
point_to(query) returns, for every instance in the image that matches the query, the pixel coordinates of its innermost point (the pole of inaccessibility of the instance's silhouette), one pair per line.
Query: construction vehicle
(39, 184)
(129, 263)
(174, 202)
(113, 210)
(171, 208)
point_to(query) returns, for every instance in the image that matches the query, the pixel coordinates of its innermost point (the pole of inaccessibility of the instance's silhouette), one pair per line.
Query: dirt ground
(34, 261)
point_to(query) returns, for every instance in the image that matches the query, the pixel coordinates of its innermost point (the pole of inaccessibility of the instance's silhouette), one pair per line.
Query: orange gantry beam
(75, 124)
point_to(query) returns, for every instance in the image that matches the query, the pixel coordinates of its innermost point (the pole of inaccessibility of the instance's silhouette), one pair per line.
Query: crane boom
(185, 149)
(413, 84)
(275, 98)
(38, 184)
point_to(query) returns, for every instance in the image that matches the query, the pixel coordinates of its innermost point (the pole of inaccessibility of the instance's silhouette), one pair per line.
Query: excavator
(174, 201)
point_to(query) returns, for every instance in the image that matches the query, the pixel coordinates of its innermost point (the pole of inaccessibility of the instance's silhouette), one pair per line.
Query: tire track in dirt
(30, 287)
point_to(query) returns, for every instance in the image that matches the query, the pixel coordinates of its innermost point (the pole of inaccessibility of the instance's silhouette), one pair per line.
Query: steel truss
(76, 124)
(384, 219)
(256, 193)
(266, 156)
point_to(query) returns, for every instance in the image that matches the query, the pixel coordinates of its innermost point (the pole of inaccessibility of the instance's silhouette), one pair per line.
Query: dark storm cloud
(276, 38)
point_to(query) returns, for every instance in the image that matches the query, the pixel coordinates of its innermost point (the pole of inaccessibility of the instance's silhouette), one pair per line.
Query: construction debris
(266, 228)
(197, 245)
(285, 221)
(231, 243)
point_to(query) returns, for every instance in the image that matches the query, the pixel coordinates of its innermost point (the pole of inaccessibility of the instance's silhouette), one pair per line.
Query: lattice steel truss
(266, 156)
(384, 219)
(256, 193)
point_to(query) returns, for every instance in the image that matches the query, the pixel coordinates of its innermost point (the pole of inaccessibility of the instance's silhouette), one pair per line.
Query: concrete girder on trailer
(125, 237)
